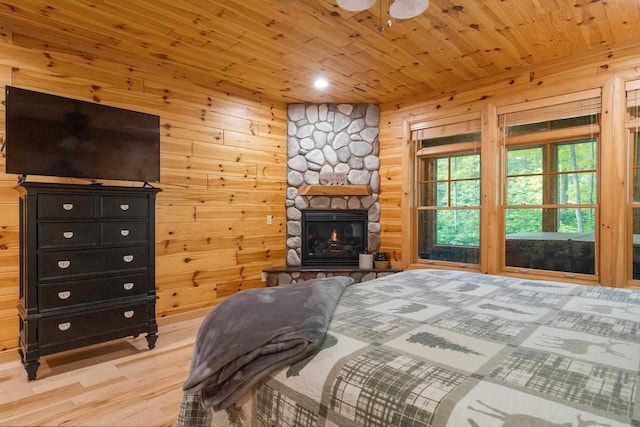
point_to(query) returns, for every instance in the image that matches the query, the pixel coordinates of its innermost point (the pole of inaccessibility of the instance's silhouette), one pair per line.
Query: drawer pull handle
(124, 232)
(64, 264)
(67, 206)
(129, 314)
(64, 294)
(127, 258)
(64, 326)
(128, 286)
(67, 234)
(124, 207)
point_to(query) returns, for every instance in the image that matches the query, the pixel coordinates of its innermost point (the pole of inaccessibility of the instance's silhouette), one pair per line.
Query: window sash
(549, 176)
(451, 247)
(424, 184)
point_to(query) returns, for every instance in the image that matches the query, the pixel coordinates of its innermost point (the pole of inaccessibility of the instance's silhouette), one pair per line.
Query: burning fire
(334, 235)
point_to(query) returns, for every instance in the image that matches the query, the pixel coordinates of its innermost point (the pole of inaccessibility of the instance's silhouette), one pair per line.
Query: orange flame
(334, 236)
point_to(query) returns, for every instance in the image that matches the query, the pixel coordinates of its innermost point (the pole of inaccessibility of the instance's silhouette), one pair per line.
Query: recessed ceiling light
(321, 83)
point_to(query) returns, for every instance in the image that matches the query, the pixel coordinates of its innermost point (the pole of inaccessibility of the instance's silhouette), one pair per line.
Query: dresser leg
(151, 340)
(30, 363)
(32, 369)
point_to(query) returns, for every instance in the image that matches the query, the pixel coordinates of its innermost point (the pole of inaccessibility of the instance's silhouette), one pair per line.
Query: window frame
(411, 162)
(631, 203)
(632, 127)
(423, 207)
(547, 140)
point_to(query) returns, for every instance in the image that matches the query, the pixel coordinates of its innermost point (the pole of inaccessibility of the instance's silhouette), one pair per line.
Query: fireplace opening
(331, 237)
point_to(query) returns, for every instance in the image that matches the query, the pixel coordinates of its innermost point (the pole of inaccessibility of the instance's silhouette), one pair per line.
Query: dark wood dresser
(87, 267)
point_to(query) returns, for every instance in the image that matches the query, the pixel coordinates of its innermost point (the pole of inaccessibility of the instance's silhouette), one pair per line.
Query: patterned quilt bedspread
(446, 348)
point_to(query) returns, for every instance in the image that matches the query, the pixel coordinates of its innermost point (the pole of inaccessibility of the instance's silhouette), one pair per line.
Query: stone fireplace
(329, 140)
(333, 237)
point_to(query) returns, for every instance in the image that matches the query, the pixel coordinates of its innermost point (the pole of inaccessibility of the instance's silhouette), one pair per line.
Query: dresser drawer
(58, 295)
(122, 232)
(67, 234)
(71, 327)
(66, 206)
(124, 207)
(61, 264)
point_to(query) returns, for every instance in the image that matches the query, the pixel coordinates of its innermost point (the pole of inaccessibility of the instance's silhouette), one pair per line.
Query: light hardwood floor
(120, 383)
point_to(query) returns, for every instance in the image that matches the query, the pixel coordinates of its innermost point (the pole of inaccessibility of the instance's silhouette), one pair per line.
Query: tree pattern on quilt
(409, 308)
(430, 340)
(495, 307)
(467, 287)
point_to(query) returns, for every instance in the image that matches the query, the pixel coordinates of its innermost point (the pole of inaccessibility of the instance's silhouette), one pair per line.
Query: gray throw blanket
(256, 332)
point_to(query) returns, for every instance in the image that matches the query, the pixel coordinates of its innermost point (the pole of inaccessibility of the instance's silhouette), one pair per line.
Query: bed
(444, 348)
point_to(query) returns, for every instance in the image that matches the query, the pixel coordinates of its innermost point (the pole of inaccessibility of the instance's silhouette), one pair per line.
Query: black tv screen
(56, 136)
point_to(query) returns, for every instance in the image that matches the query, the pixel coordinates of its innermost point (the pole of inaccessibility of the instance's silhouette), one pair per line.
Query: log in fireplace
(333, 237)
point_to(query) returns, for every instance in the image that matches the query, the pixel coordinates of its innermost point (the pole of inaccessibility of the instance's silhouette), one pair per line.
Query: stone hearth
(288, 275)
(325, 140)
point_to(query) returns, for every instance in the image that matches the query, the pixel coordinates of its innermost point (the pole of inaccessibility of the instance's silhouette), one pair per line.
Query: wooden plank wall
(595, 70)
(223, 166)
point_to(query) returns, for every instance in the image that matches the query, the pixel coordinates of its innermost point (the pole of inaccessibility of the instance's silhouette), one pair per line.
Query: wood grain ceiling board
(274, 49)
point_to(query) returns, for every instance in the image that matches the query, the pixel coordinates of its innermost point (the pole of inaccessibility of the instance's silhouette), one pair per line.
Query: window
(633, 129)
(550, 187)
(448, 187)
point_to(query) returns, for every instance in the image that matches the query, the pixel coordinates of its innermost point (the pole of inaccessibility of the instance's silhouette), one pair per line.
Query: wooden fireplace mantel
(334, 190)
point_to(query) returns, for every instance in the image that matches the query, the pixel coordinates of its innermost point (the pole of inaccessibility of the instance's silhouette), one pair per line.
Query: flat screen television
(56, 136)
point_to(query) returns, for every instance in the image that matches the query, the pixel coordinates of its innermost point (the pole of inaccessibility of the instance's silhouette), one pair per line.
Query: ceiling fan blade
(356, 5)
(407, 9)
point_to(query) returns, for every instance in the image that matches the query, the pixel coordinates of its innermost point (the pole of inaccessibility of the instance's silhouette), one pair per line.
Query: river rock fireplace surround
(332, 140)
(331, 144)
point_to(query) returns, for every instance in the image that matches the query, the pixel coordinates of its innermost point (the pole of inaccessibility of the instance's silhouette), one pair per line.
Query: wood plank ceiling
(275, 48)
